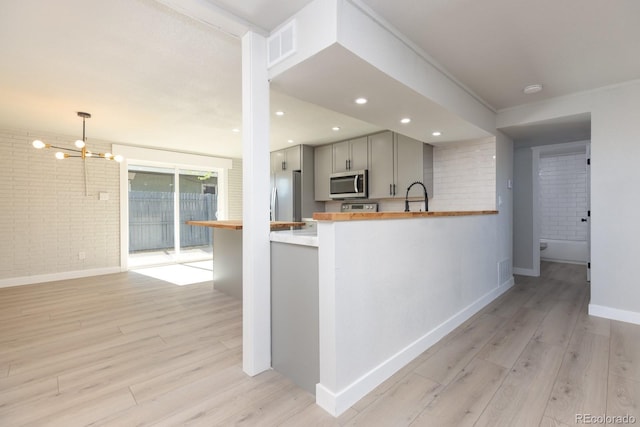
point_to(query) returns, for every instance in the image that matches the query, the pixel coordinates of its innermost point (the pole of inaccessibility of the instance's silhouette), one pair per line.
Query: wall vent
(281, 44)
(504, 271)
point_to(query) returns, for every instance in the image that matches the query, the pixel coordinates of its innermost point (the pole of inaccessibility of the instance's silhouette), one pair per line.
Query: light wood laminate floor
(128, 350)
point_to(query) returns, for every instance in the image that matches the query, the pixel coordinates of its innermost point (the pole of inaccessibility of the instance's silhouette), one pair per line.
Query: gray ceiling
(152, 76)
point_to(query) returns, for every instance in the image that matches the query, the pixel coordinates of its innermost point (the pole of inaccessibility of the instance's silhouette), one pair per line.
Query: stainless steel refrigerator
(286, 196)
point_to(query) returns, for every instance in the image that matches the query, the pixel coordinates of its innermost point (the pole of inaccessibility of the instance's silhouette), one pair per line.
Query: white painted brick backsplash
(464, 176)
(563, 197)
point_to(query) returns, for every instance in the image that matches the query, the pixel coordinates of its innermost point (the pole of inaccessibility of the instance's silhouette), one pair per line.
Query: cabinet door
(277, 161)
(409, 161)
(341, 156)
(381, 166)
(322, 167)
(292, 159)
(359, 154)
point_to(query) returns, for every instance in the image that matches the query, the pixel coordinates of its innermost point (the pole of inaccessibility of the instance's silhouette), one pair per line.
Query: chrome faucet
(426, 198)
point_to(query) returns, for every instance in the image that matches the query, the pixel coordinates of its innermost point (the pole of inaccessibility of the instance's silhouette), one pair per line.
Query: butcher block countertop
(358, 216)
(236, 224)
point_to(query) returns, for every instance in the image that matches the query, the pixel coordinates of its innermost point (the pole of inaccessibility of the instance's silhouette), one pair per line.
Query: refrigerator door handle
(274, 203)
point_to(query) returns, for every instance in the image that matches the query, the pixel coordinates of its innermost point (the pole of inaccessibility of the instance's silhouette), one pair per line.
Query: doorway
(561, 204)
(160, 202)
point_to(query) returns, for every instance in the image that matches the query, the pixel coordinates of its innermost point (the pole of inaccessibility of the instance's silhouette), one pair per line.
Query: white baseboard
(525, 271)
(563, 261)
(52, 277)
(337, 402)
(614, 314)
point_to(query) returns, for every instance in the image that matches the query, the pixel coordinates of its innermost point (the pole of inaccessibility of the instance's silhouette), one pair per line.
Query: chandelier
(81, 150)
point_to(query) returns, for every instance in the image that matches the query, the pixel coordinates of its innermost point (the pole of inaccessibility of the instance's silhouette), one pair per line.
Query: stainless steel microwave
(350, 184)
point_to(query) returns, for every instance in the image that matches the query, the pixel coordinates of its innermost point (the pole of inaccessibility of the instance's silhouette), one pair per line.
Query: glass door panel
(151, 216)
(198, 195)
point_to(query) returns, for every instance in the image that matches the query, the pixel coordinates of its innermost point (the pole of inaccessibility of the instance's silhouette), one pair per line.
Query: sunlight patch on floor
(205, 265)
(180, 274)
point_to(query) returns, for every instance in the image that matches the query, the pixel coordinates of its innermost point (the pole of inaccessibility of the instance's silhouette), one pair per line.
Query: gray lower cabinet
(294, 313)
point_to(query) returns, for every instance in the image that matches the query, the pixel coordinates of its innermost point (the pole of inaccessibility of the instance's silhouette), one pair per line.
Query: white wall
(505, 204)
(615, 133)
(615, 114)
(389, 289)
(523, 259)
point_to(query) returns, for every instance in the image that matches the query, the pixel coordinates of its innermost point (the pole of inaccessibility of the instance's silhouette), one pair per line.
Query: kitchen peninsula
(227, 252)
(389, 286)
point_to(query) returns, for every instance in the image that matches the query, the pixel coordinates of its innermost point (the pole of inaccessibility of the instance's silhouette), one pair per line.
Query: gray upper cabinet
(323, 167)
(287, 159)
(381, 170)
(408, 164)
(395, 162)
(350, 155)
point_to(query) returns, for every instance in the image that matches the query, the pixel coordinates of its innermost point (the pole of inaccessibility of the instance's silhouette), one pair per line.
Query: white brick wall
(464, 176)
(46, 219)
(235, 190)
(563, 197)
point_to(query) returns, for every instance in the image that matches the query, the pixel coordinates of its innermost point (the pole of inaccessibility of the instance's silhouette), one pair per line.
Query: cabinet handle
(284, 166)
(390, 189)
(394, 189)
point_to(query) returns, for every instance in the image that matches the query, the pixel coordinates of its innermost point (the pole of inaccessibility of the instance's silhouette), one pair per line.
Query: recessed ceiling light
(335, 128)
(436, 133)
(405, 120)
(236, 130)
(361, 101)
(290, 141)
(279, 113)
(532, 89)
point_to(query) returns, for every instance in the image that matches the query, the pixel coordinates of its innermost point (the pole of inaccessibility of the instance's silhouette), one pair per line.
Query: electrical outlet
(82, 255)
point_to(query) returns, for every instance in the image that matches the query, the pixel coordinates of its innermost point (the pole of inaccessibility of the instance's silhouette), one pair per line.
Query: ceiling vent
(282, 43)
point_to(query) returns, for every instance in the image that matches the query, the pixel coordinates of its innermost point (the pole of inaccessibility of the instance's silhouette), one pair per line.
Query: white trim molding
(337, 403)
(53, 277)
(525, 272)
(614, 314)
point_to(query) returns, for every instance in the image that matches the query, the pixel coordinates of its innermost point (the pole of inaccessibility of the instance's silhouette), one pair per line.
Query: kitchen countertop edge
(233, 224)
(295, 237)
(360, 216)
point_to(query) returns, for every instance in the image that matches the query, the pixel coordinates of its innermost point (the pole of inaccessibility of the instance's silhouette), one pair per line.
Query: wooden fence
(151, 220)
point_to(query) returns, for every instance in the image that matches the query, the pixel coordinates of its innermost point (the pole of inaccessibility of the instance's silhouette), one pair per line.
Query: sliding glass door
(161, 200)
(198, 201)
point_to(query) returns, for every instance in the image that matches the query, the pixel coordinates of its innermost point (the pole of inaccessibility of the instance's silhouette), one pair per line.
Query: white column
(256, 261)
